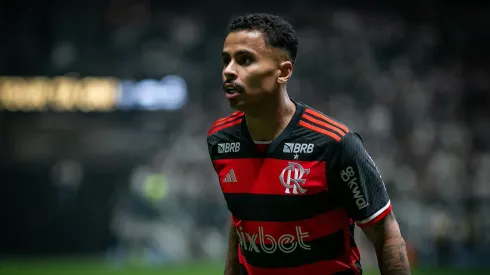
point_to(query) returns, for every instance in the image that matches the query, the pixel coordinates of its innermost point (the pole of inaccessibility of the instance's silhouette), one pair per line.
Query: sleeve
(359, 182)
(210, 148)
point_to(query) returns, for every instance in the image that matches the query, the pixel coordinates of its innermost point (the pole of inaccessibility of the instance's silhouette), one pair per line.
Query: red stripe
(327, 119)
(225, 119)
(232, 114)
(316, 227)
(235, 114)
(318, 268)
(319, 130)
(355, 256)
(224, 126)
(326, 125)
(378, 218)
(251, 178)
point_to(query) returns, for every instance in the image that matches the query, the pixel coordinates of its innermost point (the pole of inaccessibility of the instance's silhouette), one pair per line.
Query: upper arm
(357, 180)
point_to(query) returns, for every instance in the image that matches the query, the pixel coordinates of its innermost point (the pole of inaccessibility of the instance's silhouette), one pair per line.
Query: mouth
(231, 88)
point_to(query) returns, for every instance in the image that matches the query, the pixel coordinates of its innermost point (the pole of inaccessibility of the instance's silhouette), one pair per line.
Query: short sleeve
(210, 148)
(358, 181)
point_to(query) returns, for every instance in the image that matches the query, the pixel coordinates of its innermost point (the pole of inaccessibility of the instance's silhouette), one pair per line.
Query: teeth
(232, 90)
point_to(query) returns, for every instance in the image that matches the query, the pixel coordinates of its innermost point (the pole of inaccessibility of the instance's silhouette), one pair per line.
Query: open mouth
(231, 89)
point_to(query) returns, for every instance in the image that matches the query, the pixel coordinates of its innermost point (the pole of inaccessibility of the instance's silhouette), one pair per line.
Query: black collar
(247, 138)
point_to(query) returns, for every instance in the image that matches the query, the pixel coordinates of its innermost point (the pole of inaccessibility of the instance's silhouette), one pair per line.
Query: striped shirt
(295, 202)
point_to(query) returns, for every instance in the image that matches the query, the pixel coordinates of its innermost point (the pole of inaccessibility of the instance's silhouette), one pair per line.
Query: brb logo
(286, 243)
(292, 178)
(233, 147)
(298, 148)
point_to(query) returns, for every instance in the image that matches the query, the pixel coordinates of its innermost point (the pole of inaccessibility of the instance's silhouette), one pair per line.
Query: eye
(225, 60)
(245, 60)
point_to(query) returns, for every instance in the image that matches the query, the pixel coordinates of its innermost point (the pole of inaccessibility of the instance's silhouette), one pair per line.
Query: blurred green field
(90, 268)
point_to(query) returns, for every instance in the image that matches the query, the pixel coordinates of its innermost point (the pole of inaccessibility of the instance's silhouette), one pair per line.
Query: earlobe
(286, 68)
(283, 79)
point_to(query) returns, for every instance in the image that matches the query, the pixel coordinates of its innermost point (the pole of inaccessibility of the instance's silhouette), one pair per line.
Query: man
(295, 181)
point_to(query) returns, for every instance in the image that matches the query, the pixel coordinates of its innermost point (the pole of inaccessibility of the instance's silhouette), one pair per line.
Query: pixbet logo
(228, 147)
(348, 176)
(285, 243)
(292, 178)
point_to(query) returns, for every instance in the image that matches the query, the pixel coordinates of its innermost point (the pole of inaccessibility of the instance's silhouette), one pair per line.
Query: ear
(286, 68)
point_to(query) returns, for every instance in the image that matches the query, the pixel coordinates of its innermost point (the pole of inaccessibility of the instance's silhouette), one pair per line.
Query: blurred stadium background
(105, 107)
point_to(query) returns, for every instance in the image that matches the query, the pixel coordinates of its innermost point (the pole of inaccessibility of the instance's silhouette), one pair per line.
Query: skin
(389, 245)
(261, 73)
(232, 264)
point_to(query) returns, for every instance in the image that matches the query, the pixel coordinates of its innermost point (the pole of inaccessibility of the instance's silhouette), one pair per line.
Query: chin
(238, 105)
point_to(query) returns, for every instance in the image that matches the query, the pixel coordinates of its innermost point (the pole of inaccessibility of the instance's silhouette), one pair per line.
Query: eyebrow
(240, 52)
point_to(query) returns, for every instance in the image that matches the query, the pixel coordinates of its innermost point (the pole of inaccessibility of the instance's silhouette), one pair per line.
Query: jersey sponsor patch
(263, 242)
(233, 147)
(350, 177)
(298, 148)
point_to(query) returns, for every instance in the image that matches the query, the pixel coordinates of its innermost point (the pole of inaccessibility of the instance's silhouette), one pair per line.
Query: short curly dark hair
(277, 32)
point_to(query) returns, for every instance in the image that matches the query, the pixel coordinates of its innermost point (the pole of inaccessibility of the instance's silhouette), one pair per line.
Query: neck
(270, 121)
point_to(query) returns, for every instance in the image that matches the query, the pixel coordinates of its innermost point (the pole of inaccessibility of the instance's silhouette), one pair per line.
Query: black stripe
(358, 266)
(246, 153)
(221, 122)
(325, 248)
(281, 208)
(352, 242)
(345, 272)
(340, 135)
(242, 270)
(352, 227)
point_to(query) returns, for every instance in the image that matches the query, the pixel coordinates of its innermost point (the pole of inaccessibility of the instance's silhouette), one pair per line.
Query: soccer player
(295, 181)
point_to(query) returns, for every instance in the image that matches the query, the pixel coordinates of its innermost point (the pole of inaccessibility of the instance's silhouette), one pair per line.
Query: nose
(229, 72)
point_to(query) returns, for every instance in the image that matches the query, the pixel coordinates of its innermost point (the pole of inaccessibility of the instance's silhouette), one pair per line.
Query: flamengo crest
(292, 178)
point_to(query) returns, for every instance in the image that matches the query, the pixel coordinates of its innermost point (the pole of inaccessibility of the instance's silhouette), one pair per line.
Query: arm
(366, 199)
(232, 265)
(389, 245)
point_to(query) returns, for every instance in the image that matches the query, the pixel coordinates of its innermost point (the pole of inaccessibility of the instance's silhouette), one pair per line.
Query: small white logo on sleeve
(348, 175)
(233, 147)
(296, 148)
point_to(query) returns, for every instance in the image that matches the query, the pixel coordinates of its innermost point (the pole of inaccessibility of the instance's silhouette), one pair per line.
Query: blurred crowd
(411, 89)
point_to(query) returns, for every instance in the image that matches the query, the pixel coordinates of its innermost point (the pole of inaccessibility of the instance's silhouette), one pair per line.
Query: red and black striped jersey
(295, 205)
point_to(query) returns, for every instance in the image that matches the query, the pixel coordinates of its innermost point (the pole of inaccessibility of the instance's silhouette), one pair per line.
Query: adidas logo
(230, 177)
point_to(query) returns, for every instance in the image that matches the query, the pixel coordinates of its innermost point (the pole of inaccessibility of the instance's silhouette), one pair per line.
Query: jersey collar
(283, 135)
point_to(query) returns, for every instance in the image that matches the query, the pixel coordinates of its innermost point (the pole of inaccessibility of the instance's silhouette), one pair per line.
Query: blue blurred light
(170, 94)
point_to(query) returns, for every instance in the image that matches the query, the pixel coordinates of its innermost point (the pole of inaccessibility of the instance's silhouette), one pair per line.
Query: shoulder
(225, 125)
(224, 135)
(322, 127)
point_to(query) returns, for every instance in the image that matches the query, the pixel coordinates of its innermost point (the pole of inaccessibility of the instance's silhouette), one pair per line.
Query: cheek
(262, 80)
(255, 81)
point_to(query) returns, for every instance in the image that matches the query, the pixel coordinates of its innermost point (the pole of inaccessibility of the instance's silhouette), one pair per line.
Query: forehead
(251, 41)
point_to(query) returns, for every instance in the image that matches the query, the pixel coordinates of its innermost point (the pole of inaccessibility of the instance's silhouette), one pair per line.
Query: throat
(267, 127)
